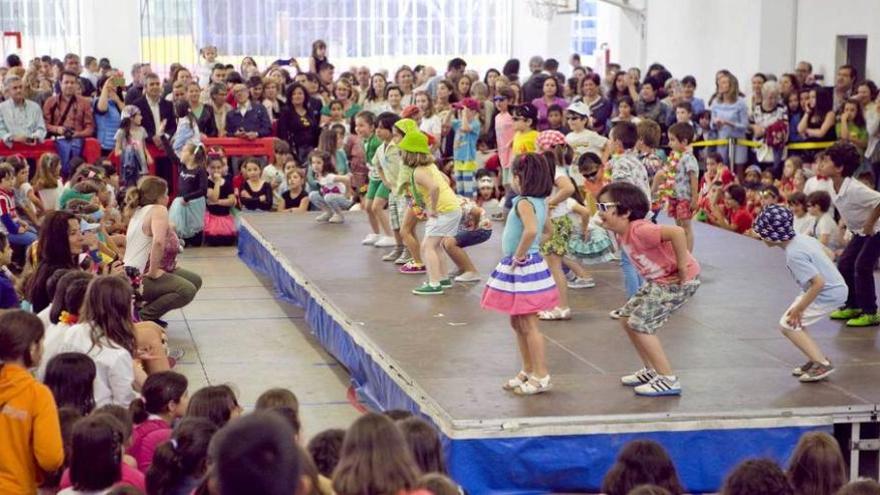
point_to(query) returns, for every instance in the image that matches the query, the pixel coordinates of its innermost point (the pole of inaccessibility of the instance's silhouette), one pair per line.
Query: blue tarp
(535, 464)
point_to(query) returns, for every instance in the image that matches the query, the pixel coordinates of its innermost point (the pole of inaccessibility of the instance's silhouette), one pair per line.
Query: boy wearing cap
(464, 147)
(824, 289)
(582, 139)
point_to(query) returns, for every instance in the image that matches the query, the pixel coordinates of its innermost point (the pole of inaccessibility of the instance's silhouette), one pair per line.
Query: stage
(445, 358)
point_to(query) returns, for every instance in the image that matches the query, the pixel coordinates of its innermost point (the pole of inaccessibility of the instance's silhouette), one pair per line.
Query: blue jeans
(632, 281)
(333, 202)
(25, 239)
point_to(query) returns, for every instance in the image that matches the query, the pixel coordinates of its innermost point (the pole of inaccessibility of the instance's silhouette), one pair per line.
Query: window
(48, 27)
(583, 30)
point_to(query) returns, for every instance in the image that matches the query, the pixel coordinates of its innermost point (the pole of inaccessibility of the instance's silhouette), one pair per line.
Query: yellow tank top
(446, 200)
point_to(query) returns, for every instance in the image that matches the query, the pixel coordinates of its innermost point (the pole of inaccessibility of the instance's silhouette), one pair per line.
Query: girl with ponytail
(165, 399)
(180, 463)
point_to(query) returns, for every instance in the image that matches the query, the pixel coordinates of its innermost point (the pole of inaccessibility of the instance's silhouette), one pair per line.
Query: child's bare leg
(688, 232)
(431, 253)
(555, 264)
(576, 267)
(374, 223)
(636, 344)
(381, 215)
(535, 342)
(408, 235)
(653, 350)
(803, 341)
(150, 341)
(458, 255)
(522, 343)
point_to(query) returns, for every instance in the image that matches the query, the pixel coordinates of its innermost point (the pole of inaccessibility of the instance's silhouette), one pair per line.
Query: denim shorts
(466, 238)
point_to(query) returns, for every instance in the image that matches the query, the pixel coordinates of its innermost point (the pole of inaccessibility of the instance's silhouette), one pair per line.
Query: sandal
(515, 382)
(556, 313)
(534, 386)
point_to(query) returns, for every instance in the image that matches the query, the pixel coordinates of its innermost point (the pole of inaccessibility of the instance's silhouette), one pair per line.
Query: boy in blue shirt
(464, 148)
(824, 289)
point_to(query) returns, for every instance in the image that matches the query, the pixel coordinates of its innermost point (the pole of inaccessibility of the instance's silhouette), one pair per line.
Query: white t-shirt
(825, 225)
(115, 371)
(804, 225)
(329, 182)
(855, 201)
(432, 125)
(53, 342)
(813, 184)
(584, 141)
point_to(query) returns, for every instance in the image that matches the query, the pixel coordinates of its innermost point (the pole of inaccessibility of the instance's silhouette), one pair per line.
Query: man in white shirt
(21, 120)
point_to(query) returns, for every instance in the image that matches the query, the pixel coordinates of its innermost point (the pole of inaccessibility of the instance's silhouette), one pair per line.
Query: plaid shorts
(396, 209)
(651, 306)
(680, 209)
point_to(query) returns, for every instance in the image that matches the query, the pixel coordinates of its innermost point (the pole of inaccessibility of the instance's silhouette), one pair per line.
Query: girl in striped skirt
(521, 285)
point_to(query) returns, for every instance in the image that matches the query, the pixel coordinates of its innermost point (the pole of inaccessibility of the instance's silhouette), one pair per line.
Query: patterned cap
(775, 223)
(129, 111)
(547, 140)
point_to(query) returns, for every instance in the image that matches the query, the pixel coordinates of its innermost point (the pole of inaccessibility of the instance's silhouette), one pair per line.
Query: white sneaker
(640, 377)
(370, 239)
(385, 241)
(356, 207)
(468, 277)
(582, 283)
(337, 218)
(323, 217)
(618, 314)
(660, 386)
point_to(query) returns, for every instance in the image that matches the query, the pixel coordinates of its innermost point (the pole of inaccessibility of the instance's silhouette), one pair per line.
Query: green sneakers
(845, 313)
(427, 289)
(864, 320)
(446, 283)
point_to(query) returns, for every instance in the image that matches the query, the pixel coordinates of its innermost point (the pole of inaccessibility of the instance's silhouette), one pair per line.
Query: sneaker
(412, 268)
(554, 314)
(468, 277)
(865, 320)
(385, 241)
(370, 239)
(393, 255)
(618, 314)
(324, 217)
(800, 370)
(570, 276)
(845, 314)
(534, 386)
(515, 382)
(446, 283)
(427, 289)
(659, 386)
(336, 218)
(640, 377)
(817, 372)
(454, 273)
(582, 283)
(404, 258)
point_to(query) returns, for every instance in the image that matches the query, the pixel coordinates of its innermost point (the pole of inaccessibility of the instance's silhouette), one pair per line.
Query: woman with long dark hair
(297, 124)
(58, 247)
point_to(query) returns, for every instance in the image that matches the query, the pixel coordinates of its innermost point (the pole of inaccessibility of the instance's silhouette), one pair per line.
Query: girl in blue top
(521, 285)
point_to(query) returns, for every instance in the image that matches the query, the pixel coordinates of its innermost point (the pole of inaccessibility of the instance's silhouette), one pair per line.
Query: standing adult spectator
(600, 107)
(454, 70)
(70, 118)
(158, 120)
(770, 127)
(804, 73)
(108, 111)
(730, 118)
(71, 64)
(650, 106)
(203, 113)
(297, 125)
(843, 85)
(249, 119)
(511, 70)
(549, 98)
(534, 85)
(136, 90)
(21, 120)
(219, 106)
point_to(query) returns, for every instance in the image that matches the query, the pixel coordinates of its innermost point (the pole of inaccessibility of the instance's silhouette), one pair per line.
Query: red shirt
(742, 219)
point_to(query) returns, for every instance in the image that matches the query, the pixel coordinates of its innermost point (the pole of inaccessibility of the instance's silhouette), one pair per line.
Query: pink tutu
(521, 290)
(219, 225)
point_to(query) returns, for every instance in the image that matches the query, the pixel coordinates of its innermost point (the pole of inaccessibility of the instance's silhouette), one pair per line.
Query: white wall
(115, 36)
(819, 24)
(534, 36)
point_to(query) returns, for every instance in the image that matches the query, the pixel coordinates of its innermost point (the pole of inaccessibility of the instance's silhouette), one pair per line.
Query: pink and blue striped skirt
(521, 290)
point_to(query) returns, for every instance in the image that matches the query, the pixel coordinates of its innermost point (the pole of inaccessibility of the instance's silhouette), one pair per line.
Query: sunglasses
(591, 176)
(499, 98)
(519, 119)
(603, 207)
(575, 117)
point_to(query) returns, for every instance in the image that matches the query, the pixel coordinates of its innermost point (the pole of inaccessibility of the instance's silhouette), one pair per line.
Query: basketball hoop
(543, 9)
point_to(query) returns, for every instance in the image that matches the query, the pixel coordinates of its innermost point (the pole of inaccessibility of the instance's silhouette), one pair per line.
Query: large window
(583, 29)
(354, 30)
(48, 27)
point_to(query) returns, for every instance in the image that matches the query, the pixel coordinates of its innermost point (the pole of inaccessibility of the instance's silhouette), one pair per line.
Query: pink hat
(409, 111)
(470, 103)
(547, 140)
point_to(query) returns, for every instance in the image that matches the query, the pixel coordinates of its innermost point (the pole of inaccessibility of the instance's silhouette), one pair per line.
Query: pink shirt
(130, 476)
(145, 438)
(504, 133)
(653, 258)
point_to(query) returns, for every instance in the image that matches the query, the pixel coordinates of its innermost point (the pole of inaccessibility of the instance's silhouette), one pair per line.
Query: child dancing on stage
(521, 285)
(824, 289)
(661, 256)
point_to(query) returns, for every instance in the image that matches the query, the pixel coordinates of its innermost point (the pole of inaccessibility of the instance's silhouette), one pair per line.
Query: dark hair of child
(821, 199)
(817, 465)
(96, 453)
(19, 330)
(629, 199)
(280, 146)
(289, 415)
(846, 156)
(67, 417)
(325, 448)
(276, 397)
(122, 414)
(627, 99)
(589, 163)
(424, 444)
(214, 402)
(797, 198)
(625, 132)
(554, 108)
(685, 105)
(524, 113)
(649, 490)
(374, 459)
(183, 456)
(865, 486)
(438, 484)
(772, 190)
(649, 132)
(108, 307)
(757, 477)
(159, 389)
(737, 193)
(534, 175)
(329, 167)
(868, 176)
(367, 116)
(682, 131)
(641, 462)
(71, 376)
(397, 414)
(386, 120)
(715, 157)
(70, 292)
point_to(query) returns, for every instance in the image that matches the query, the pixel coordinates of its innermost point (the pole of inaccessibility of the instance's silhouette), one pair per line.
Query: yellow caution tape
(757, 144)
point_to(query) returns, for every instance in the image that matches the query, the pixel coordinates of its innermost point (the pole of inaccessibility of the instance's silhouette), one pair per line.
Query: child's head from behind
(278, 397)
(867, 178)
(184, 456)
(96, 452)
(251, 169)
(774, 225)
(681, 135)
(70, 377)
(818, 203)
(620, 203)
(216, 403)
(770, 195)
(424, 444)
(757, 477)
(641, 462)
(325, 448)
(21, 336)
(864, 486)
(438, 484)
(321, 163)
(108, 307)
(532, 176)
(164, 393)
(557, 152)
(817, 465)
(624, 135)
(649, 133)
